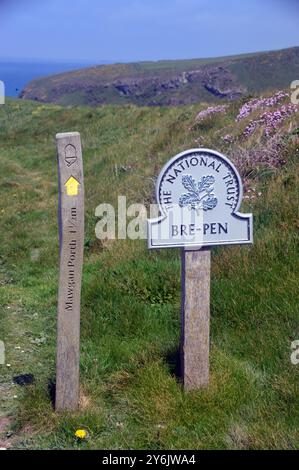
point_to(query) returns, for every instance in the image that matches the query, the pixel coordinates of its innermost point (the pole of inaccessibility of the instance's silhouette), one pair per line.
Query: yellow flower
(81, 434)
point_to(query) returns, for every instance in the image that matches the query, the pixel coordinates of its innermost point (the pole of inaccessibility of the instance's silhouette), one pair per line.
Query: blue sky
(131, 30)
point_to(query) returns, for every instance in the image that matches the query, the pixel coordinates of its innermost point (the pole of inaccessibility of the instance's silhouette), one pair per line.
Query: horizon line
(112, 62)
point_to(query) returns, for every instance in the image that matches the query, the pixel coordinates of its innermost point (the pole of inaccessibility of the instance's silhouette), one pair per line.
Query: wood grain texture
(195, 318)
(71, 238)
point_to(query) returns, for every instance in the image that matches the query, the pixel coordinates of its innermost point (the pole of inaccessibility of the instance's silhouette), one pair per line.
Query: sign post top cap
(63, 135)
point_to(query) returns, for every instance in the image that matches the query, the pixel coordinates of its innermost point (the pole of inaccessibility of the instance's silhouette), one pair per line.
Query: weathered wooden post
(71, 240)
(195, 320)
(199, 193)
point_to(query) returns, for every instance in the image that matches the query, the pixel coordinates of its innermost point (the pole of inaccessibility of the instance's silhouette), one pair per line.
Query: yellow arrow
(72, 186)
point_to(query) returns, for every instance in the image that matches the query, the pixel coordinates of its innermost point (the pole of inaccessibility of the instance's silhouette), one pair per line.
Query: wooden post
(71, 239)
(195, 319)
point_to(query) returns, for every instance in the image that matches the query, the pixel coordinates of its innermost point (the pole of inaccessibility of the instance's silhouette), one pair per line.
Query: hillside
(131, 396)
(169, 82)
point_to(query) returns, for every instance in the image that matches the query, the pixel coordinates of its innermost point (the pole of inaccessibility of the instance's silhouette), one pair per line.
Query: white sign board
(199, 193)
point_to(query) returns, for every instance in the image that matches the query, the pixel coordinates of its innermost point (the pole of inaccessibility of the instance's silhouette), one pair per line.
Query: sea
(16, 75)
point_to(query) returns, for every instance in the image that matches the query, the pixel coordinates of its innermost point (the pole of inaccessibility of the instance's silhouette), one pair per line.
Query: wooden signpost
(195, 318)
(199, 193)
(71, 239)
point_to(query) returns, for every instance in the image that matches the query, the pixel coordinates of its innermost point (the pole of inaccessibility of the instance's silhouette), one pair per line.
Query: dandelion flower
(81, 434)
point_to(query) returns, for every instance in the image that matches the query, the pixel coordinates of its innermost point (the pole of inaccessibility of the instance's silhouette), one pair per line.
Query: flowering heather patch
(271, 119)
(211, 110)
(270, 154)
(258, 103)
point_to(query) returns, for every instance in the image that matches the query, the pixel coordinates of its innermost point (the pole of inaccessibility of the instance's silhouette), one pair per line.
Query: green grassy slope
(169, 82)
(131, 397)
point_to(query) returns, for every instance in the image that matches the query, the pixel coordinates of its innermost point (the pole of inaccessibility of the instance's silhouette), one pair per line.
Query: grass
(130, 394)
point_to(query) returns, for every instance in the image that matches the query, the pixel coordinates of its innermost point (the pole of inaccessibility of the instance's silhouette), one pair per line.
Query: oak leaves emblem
(200, 195)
